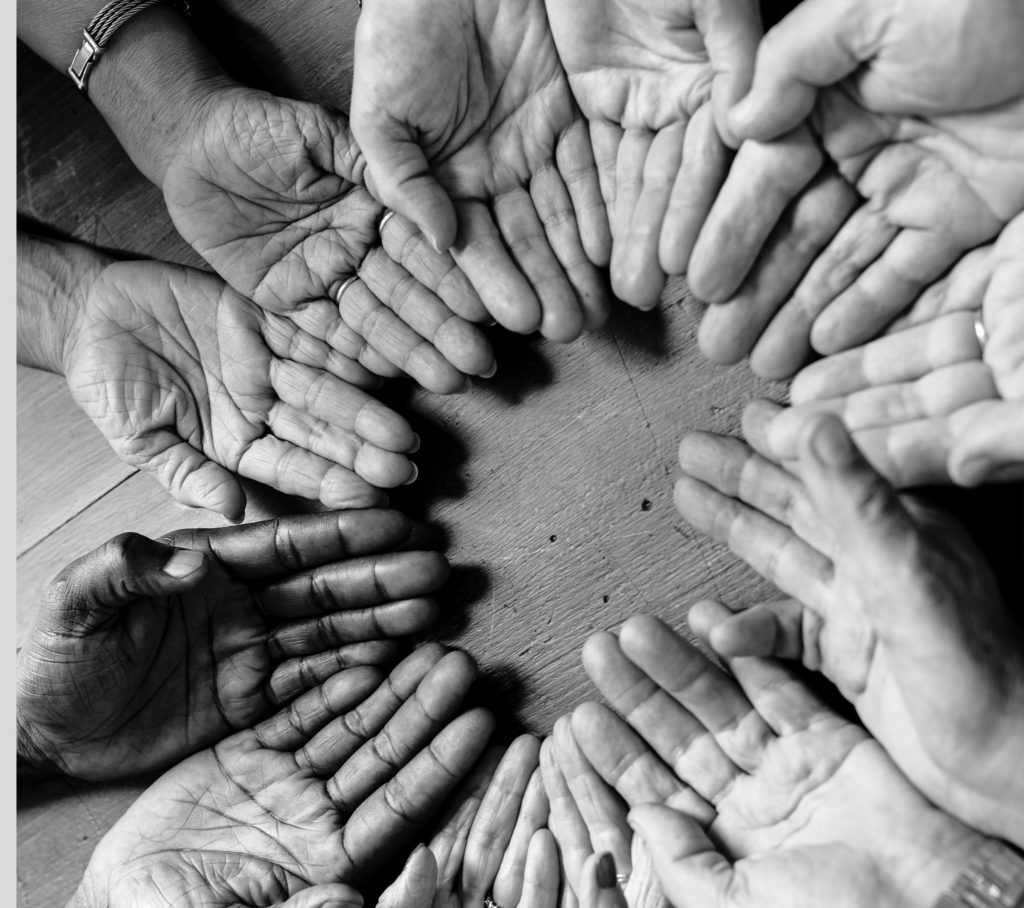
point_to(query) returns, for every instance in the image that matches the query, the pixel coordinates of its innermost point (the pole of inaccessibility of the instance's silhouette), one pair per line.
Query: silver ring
(489, 902)
(348, 282)
(980, 332)
(384, 218)
(622, 879)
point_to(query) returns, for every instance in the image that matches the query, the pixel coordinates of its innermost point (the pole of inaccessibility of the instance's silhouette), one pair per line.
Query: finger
(555, 209)
(86, 595)
(732, 31)
(565, 822)
(387, 333)
(691, 871)
(435, 270)
(579, 168)
(533, 815)
(703, 169)
(602, 810)
(672, 731)
(912, 260)
(326, 895)
(321, 319)
(990, 447)
(770, 548)
(310, 712)
(598, 886)
(288, 545)
(633, 148)
(543, 873)
(636, 268)
(815, 45)
(734, 469)
(356, 583)
(909, 454)
(743, 324)
(891, 359)
(296, 676)
(333, 631)
(191, 478)
(699, 687)
(503, 288)
(756, 422)
(643, 889)
(769, 630)
(763, 180)
(461, 343)
(523, 234)
(624, 761)
(605, 138)
(858, 243)
(327, 746)
(448, 844)
(415, 885)
(397, 172)
(417, 792)
(343, 447)
(496, 818)
(435, 701)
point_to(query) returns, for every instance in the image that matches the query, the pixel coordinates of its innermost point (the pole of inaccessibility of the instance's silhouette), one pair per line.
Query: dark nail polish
(606, 871)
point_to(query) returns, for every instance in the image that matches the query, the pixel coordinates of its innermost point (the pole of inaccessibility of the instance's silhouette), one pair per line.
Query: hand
(655, 81)
(192, 383)
(941, 168)
(892, 602)
(470, 130)
(491, 842)
(588, 820)
(266, 190)
(146, 651)
(808, 809)
(924, 402)
(316, 796)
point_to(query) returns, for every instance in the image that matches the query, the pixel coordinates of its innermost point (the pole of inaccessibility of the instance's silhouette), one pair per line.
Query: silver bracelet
(97, 34)
(993, 878)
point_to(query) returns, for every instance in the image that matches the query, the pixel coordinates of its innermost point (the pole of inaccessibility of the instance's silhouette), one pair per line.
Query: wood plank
(64, 463)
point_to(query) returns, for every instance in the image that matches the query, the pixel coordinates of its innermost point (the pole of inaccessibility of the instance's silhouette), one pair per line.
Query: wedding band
(384, 218)
(980, 332)
(622, 879)
(489, 902)
(348, 283)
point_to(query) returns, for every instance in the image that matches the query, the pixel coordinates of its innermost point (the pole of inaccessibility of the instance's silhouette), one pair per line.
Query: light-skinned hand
(145, 651)
(470, 130)
(192, 383)
(925, 402)
(891, 601)
(268, 190)
(313, 798)
(808, 809)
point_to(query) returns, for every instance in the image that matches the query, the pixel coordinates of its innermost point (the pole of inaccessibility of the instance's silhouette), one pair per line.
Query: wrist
(938, 851)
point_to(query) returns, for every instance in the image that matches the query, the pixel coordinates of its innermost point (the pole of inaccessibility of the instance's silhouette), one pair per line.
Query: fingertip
(824, 441)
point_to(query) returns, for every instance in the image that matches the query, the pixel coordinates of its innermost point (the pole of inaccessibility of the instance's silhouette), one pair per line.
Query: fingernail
(606, 872)
(183, 562)
(413, 477)
(490, 373)
(831, 444)
(415, 445)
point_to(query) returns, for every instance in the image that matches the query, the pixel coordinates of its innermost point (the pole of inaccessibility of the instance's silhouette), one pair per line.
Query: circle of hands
(856, 203)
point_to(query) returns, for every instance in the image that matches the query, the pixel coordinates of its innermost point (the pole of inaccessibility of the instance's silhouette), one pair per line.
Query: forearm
(150, 82)
(53, 283)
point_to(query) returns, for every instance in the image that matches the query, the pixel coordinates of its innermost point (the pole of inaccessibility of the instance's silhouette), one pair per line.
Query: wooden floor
(552, 481)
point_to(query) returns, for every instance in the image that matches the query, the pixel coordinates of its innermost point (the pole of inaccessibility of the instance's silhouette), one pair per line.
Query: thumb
(329, 895)
(691, 871)
(989, 443)
(416, 884)
(86, 595)
(816, 45)
(398, 175)
(870, 523)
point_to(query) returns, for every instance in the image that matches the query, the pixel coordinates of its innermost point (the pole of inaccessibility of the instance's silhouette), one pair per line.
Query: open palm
(308, 798)
(131, 667)
(267, 191)
(469, 129)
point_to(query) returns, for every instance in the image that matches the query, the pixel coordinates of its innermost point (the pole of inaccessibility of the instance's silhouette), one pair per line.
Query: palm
(185, 378)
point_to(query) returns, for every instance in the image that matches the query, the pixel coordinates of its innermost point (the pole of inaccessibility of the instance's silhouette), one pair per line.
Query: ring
(622, 879)
(384, 218)
(980, 331)
(489, 902)
(345, 285)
